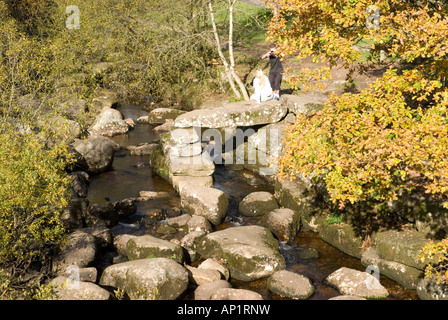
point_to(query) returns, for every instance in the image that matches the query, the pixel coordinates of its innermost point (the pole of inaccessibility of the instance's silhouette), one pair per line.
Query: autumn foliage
(373, 145)
(328, 30)
(437, 255)
(391, 138)
(34, 190)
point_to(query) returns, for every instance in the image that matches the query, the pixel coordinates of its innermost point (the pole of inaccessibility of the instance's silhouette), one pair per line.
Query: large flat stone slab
(160, 115)
(196, 166)
(304, 104)
(236, 114)
(180, 182)
(268, 139)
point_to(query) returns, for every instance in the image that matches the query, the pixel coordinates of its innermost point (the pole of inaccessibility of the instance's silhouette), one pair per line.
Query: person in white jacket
(263, 89)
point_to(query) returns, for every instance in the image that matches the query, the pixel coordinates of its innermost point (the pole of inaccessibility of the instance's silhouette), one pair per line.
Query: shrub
(34, 189)
(389, 141)
(373, 145)
(437, 255)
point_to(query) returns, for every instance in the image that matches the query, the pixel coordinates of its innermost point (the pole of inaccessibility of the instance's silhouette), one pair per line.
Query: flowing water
(132, 174)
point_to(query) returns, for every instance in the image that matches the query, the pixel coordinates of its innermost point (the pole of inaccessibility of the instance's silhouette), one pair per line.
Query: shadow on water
(132, 174)
(236, 185)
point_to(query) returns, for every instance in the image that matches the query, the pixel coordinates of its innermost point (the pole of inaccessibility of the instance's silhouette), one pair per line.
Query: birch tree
(229, 65)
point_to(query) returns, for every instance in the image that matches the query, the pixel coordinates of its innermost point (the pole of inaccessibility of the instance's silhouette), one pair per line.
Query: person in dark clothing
(276, 70)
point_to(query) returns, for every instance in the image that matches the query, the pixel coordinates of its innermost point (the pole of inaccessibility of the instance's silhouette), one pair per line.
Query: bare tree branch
(221, 54)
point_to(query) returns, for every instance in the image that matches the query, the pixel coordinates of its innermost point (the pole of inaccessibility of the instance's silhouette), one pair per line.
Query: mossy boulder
(249, 252)
(406, 276)
(147, 246)
(158, 163)
(209, 203)
(235, 294)
(110, 123)
(429, 289)
(80, 250)
(297, 195)
(291, 285)
(357, 283)
(95, 155)
(257, 203)
(206, 290)
(73, 289)
(149, 279)
(342, 236)
(284, 223)
(401, 246)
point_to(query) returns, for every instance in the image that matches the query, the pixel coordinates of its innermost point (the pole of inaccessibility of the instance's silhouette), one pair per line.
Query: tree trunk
(221, 54)
(232, 77)
(232, 60)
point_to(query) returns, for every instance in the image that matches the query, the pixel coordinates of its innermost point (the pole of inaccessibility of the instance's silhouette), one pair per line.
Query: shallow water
(129, 174)
(132, 174)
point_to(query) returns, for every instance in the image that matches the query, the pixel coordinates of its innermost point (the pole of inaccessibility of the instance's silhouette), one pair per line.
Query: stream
(132, 174)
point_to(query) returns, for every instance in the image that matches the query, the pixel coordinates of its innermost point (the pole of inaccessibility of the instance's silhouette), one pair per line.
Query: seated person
(263, 90)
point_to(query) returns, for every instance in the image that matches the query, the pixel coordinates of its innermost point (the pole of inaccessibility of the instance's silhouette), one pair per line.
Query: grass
(335, 218)
(250, 22)
(249, 37)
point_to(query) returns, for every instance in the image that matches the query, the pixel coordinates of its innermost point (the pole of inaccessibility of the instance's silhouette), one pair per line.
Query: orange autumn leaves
(390, 138)
(372, 145)
(329, 30)
(437, 256)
